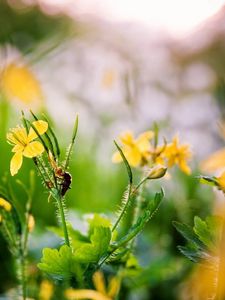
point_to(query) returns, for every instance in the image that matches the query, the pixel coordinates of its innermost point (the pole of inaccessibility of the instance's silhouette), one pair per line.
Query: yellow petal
(72, 294)
(214, 162)
(184, 167)
(18, 148)
(11, 138)
(142, 142)
(46, 290)
(33, 149)
(99, 282)
(17, 135)
(16, 163)
(41, 127)
(114, 287)
(5, 204)
(133, 156)
(127, 138)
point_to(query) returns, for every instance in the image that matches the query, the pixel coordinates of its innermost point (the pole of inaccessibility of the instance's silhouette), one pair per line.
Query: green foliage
(97, 220)
(98, 246)
(60, 263)
(202, 239)
(209, 180)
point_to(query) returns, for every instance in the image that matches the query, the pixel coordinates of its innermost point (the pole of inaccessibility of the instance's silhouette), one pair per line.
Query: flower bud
(157, 172)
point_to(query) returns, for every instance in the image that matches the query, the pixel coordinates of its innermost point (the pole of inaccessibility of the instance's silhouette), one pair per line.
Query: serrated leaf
(196, 255)
(58, 263)
(203, 232)
(188, 233)
(192, 254)
(96, 221)
(98, 246)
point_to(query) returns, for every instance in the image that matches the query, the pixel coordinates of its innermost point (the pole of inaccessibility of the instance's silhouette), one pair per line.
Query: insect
(63, 178)
(67, 179)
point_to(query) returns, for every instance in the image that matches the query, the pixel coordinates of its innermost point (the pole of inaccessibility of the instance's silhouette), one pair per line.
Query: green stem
(23, 276)
(63, 219)
(124, 208)
(129, 196)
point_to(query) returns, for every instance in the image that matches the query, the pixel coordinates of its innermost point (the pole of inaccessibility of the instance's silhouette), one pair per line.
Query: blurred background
(119, 65)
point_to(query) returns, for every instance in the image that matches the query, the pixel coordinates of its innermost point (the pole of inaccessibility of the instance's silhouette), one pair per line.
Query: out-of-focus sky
(177, 17)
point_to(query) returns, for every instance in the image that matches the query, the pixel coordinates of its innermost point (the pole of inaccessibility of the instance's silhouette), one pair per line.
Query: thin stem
(130, 194)
(124, 208)
(23, 276)
(63, 218)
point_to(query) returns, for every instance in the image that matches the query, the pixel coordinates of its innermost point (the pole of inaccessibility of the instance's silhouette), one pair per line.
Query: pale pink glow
(175, 16)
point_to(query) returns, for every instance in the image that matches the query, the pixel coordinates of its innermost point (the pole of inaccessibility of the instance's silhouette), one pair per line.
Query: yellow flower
(18, 82)
(136, 151)
(46, 290)
(5, 204)
(0, 219)
(24, 144)
(101, 293)
(178, 154)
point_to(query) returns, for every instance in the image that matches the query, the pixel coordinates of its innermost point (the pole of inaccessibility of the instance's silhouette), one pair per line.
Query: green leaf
(97, 221)
(188, 233)
(193, 254)
(98, 246)
(196, 255)
(208, 180)
(129, 171)
(204, 233)
(77, 239)
(58, 263)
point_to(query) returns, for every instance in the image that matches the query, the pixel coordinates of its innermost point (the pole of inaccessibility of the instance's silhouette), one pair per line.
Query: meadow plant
(91, 265)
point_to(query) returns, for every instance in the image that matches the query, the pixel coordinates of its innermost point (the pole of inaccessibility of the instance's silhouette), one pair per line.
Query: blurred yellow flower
(46, 290)
(24, 145)
(18, 82)
(214, 162)
(136, 151)
(109, 78)
(5, 204)
(101, 293)
(31, 223)
(178, 154)
(0, 218)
